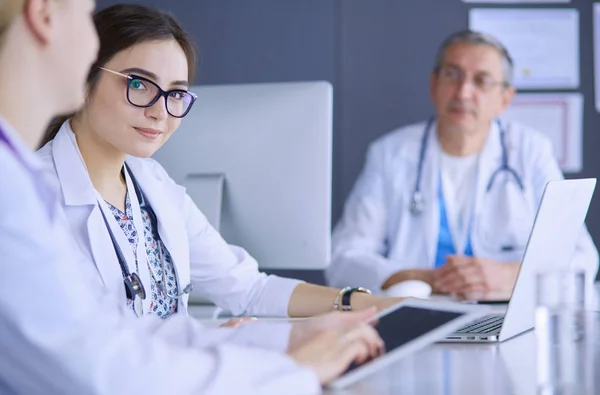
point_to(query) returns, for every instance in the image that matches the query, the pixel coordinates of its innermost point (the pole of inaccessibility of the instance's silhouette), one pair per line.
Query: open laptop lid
(556, 229)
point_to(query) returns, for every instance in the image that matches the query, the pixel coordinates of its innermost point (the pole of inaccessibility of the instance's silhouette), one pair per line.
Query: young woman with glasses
(136, 224)
(60, 331)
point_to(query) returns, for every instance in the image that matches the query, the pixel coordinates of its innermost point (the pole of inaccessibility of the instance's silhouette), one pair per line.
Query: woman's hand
(235, 322)
(306, 329)
(330, 352)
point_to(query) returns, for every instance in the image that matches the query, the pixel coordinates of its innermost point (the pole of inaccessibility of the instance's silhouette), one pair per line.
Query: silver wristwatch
(342, 299)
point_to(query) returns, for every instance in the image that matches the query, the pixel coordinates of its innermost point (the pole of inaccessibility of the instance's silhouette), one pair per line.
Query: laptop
(551, 245)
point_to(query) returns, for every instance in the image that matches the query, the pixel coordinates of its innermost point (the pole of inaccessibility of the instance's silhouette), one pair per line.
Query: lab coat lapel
(430, 183)
(79, 194)
(166, 201)
(103, 253)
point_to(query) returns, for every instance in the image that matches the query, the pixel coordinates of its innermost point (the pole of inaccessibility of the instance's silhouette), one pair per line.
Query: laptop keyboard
(487, 324)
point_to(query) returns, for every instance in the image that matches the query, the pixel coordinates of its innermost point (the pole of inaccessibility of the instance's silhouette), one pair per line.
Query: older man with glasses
(450, 202)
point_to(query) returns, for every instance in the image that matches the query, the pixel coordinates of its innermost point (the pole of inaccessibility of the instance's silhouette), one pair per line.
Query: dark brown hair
(121, 27)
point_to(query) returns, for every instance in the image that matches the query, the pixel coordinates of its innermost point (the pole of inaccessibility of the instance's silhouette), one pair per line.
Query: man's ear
(507, 96)
(38, 16)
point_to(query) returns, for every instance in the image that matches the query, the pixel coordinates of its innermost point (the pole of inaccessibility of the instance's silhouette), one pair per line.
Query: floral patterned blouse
(161, 305)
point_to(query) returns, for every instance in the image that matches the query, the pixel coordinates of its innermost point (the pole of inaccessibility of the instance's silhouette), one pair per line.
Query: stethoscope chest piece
(134, 287)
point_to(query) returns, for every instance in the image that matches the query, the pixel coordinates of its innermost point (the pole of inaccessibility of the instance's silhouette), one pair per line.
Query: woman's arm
(311, 299)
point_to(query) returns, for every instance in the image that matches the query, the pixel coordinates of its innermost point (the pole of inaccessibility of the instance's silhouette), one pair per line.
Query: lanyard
(460, 236)
(132, 262)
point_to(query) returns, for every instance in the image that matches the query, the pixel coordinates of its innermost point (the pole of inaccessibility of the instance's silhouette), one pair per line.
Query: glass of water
(560, 332)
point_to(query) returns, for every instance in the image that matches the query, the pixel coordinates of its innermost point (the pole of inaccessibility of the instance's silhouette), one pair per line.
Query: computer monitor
(269, 147)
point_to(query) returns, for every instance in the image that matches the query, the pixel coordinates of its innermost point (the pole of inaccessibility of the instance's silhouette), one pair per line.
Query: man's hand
(463, 275)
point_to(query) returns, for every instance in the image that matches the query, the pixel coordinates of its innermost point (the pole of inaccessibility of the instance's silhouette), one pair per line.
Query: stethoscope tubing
(417, 204)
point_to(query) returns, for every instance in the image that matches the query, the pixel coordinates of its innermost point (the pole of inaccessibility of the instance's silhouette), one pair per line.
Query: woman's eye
(176, 95)
(136, 84)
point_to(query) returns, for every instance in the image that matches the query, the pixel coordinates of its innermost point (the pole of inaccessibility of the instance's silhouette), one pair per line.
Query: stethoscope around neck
(133, 284)
(417, 205)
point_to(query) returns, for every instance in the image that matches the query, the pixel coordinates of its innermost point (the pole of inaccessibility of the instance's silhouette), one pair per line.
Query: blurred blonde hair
(9, 9)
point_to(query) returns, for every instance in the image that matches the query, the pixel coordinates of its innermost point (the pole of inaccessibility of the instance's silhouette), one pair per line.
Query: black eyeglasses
(142, 92)
(484, 83)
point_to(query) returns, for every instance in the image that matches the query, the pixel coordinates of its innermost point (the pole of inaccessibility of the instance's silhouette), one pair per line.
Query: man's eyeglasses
(142, 92)
(482, 82)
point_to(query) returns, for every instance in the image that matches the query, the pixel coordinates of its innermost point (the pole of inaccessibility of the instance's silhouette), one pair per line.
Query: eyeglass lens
(143, 93)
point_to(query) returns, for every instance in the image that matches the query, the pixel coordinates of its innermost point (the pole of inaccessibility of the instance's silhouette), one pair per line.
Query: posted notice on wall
(560, 117)
(544, 43)
(516, 1)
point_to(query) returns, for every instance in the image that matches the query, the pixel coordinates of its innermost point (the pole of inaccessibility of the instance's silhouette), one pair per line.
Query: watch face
(347, 293)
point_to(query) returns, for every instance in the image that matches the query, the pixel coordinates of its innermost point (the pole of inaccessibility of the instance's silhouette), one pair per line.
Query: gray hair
(476, 38)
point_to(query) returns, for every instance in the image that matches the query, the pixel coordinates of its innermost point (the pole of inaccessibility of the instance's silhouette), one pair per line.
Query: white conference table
(463, 369)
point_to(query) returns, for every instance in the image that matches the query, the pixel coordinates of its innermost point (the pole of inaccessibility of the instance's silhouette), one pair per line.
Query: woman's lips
(149, 133)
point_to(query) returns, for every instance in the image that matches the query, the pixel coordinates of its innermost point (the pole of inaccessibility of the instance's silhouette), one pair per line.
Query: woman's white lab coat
(226, 274)
(61, 332)
(378, 235)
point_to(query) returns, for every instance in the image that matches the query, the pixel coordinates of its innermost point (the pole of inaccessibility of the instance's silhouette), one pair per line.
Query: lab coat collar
(34, 166)
(430, 183)
(77, 187)
(78, 190)
(16, 141)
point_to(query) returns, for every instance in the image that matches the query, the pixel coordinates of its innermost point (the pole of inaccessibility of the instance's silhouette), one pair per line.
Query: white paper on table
(544, 43)
(557, 115)
(597, 53)
(516, 1)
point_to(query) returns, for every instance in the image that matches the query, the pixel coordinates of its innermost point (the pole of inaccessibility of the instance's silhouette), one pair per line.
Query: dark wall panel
(376, 53)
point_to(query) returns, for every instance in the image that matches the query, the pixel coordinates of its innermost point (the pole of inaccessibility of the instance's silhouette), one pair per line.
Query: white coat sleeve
(546, 169)
(185, 331)
(228, 275)
(359, 238)
(61, 334)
